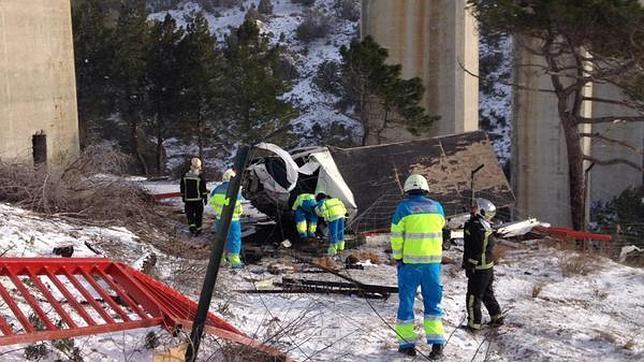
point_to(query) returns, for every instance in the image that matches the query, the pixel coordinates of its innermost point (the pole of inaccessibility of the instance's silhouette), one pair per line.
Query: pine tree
(129, 67)
(376, 92)
(200, 69)
(92, 57)
(164, 86)
(254, 108)
(580, 43)
(265, 7)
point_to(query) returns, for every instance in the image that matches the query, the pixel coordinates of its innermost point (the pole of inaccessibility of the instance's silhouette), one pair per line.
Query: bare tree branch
(614, 161)
(624, 103)
(607, 139)
(610, 119)
(511, 84)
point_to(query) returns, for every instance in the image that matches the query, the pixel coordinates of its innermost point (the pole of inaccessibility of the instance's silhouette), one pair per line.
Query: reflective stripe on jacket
(478, 244)
(331, 209)
(306, 202)
(193, 187)
(417, 231)
(218, 200)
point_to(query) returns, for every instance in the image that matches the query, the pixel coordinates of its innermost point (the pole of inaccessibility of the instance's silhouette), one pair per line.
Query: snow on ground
(550, 315)
(26, 234)
(575, 318)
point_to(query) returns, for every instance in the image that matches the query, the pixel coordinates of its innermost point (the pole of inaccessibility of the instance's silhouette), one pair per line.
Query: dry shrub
(314, 26)
(576, 265)
(232, 352)
(85, 190)
(326, 262)
(537, 288)
(446, 260)
(605, 336)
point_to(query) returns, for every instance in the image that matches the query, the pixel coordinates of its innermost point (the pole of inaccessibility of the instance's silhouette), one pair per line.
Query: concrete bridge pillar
(539, 157)
(434, 40)
(38, 115)
(608, 181)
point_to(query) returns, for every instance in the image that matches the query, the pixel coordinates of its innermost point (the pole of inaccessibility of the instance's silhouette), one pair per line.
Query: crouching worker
(479, 266)
(416, 243)
(333, 211)
(194, 195)
(306, 220)
(217, 201)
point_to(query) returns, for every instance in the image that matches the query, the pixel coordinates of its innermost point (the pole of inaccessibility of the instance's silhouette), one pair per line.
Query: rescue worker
(194, 195)
(217, 201)
(306, 220)
(333, 211)
(479, 265)
(416, 244)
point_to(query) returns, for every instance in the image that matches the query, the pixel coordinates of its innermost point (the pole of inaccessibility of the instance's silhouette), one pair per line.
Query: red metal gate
(87, 296)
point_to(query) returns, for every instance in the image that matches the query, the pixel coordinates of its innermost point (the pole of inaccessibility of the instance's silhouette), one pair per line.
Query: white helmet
(486, 208)
(230, 173)
(195, 163)
(416, 182)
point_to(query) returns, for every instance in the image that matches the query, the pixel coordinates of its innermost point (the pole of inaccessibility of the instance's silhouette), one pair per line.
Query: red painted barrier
(169, 195)
(572, 234)
(122, 299)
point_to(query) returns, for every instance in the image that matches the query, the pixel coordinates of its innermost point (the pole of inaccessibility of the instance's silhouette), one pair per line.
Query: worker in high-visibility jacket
(194, 195)
(478, 262)
(334, 212)
(306, 220)
(217, 201)
(416, 243)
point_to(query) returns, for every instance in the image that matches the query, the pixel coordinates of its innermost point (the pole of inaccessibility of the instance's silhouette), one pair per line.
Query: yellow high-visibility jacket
(417, 231)
(331, 209)
(218, 200)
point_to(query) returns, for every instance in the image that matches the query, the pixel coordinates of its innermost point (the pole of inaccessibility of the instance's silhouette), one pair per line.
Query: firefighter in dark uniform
(479, 266)
(194, 195)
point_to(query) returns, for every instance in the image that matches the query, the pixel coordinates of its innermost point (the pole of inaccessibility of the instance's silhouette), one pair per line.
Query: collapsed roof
(369, 179)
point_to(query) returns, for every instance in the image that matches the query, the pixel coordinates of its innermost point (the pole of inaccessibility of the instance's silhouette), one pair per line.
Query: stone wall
(37, 81)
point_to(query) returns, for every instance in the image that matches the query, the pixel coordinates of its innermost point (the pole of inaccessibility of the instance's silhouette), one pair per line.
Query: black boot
(497, 322)
(437, 352)
(409, 351)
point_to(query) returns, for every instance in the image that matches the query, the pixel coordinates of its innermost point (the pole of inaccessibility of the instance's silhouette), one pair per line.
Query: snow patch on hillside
(495, 93)
(317, 109)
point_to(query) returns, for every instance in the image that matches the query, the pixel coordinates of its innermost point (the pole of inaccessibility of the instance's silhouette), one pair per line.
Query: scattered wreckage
(369, 179)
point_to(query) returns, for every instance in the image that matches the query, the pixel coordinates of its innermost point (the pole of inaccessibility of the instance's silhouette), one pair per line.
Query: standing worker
(217, 201)
(479, 265)
(306, 220)
(416, 244)
(194, 195)
(333, 211)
